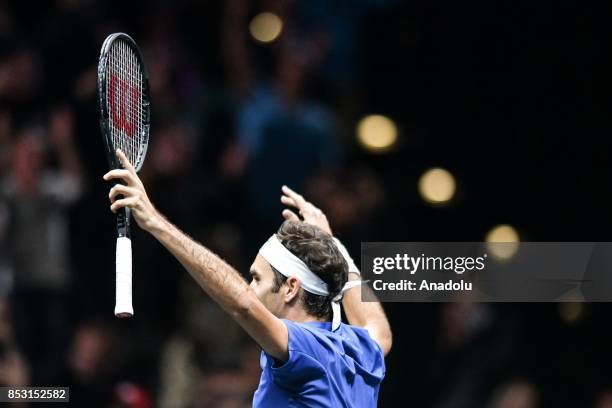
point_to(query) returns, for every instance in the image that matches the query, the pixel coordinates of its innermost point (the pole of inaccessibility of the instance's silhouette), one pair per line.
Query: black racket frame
(123, 217)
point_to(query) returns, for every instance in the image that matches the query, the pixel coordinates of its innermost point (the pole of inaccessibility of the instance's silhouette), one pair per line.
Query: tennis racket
(125, 114)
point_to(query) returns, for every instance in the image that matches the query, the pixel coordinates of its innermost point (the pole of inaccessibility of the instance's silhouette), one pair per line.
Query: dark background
(507, 96)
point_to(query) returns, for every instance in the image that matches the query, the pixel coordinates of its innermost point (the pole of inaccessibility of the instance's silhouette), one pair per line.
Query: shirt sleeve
(301, 367)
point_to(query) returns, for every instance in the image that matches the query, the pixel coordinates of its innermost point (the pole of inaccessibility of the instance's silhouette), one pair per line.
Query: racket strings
(125, 101)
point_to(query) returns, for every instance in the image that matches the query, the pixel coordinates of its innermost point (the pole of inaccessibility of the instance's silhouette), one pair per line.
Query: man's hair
(319, 252)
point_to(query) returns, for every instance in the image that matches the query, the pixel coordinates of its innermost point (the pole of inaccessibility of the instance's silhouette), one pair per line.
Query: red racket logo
(123, 105)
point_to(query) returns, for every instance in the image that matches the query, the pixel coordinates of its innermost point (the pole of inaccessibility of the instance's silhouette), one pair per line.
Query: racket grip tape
(123, 278)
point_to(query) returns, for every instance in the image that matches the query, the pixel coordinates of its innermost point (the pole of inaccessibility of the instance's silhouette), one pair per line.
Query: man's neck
(299, 315)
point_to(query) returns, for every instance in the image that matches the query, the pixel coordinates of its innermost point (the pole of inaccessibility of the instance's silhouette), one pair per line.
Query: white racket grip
(123, 278)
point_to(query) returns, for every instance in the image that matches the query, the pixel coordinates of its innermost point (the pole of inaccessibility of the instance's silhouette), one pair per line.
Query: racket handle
(123, 278)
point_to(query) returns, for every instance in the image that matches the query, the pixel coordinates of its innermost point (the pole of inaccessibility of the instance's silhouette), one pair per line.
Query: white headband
(289, 265)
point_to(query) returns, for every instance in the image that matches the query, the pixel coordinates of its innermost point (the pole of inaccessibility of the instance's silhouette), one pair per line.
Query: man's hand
(310, 213)
(134, 194)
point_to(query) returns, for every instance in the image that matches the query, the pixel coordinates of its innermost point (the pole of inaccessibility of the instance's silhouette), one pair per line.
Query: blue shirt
(342, 368)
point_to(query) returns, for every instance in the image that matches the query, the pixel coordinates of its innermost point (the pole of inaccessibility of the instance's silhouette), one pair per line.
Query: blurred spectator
(93, 364)
(20, 75)
(195, 377)
(604, 400)
(231, 388)
(37, 197)
(178, 373)
(284, 137)
(515, 394)
(473, 349)
(128, 395)
(13, 369)
(209, 361)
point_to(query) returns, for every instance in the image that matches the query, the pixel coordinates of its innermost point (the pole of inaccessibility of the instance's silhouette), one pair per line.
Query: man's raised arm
(369, 315)
(222, 282)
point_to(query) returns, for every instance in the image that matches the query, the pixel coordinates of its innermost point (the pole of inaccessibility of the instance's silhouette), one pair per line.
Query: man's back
(342, 368)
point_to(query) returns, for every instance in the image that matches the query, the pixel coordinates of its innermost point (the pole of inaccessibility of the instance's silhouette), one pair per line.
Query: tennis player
(291, 307)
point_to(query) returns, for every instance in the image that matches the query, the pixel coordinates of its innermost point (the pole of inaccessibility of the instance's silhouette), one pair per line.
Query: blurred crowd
(233, 120)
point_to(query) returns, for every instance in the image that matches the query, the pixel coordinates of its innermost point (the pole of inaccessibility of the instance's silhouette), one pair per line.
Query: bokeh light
(571, 312)
(502, 241)
(437, 186)
(376, 133)
(266, 27)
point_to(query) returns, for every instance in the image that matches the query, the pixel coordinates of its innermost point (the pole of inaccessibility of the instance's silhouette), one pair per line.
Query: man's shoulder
(316, 335)
(349, 344)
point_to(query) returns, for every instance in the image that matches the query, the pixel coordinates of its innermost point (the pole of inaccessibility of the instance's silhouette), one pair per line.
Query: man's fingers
(289, 192)
(296, 200)
(288, 201)
(120, 189)
(299, 200)
(307, 210)
(121, 174)
(124, 202)
(124, 161)
(290, 215)
(293, 199)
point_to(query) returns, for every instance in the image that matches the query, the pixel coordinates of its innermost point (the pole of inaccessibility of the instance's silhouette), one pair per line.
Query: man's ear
(292, 289)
